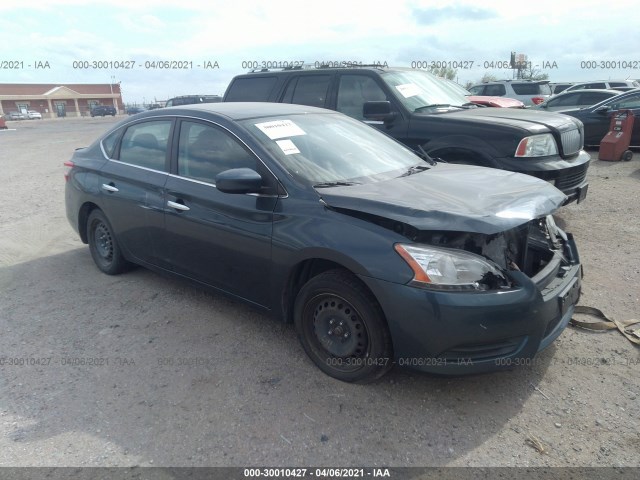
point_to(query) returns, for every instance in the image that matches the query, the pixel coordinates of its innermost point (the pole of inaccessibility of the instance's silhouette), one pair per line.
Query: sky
(134, 41)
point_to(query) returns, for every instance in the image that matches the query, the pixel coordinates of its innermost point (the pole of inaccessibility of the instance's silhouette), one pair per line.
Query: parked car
(376, 255)
(3, 124)
(575, 99)
(557, 88)
(134, 110)
(193, 99)
(527, 91)
(597, 118)
(17, 116)
(605, 84)
(32, 115)
(500, 102)
(102, 110)
(422, 112)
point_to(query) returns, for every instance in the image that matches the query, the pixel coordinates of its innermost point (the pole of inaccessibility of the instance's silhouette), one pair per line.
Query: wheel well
(300, 275)
(83, 216)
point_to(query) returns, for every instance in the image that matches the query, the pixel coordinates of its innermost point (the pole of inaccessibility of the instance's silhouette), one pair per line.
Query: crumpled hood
(452, 197)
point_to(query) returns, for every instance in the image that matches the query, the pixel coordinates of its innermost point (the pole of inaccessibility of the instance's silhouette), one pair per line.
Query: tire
(342, 328)
(103, 245)
(627, 156)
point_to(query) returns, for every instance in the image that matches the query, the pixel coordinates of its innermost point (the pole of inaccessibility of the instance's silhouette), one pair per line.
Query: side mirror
(378, 111)
(239, 180)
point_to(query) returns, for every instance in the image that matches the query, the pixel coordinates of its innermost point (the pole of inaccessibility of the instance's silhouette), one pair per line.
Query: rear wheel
(342, 327)
(627, 156)
(103, 245)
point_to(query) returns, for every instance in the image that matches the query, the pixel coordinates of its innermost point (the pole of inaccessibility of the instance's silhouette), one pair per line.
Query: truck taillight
(537, 100)
(68, 166)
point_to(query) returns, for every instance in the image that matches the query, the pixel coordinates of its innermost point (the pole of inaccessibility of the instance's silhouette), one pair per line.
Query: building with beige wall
(53, 100)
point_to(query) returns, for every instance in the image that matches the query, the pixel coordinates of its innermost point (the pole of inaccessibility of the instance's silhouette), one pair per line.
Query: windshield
(422, 91)
(328, 148)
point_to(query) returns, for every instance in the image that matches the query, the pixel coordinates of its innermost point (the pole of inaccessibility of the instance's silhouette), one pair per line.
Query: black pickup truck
(428, 115)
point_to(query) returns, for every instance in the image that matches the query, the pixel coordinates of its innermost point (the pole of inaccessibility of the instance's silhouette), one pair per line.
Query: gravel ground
(141, 369)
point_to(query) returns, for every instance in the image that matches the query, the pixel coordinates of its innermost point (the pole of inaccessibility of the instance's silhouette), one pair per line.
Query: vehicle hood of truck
(534, 121)
(451, 198)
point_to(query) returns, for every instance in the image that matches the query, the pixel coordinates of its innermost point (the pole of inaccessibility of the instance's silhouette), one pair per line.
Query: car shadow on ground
(140, 368)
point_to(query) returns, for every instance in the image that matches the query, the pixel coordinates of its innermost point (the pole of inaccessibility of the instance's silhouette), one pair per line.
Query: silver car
(529, 92)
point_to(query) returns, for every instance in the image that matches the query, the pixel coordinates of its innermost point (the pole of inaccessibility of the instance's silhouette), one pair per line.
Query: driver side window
(354, 91)
(205, 151)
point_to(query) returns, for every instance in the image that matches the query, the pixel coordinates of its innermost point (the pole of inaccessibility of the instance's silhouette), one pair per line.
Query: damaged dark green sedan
(377, 256)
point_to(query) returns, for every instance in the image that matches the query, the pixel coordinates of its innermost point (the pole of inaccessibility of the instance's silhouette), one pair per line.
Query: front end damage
(514, 299)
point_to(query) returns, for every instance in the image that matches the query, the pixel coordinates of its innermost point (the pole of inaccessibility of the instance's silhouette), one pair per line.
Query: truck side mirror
(378, 111)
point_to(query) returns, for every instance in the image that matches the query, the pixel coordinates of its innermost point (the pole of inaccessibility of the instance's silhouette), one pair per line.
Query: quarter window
(205, 151)
(110, 141)
(145, 144)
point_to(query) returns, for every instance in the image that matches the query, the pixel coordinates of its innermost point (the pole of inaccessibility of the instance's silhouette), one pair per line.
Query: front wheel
(103, 245)
(342, 328)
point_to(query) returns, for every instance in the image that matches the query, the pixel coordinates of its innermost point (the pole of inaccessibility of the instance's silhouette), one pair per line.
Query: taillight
(68, 166)
(537, 100)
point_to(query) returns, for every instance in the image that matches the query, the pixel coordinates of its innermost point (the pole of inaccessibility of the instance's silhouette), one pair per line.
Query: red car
(495, 101)
(487, 101)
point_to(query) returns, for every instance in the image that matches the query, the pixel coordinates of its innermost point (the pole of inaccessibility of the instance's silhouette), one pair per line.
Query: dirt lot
(143, 370)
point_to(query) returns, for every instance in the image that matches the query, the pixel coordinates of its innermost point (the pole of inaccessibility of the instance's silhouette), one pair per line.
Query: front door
(220, 239)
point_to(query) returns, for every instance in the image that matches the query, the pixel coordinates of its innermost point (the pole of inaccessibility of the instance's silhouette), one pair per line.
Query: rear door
(132, 183)
(220, 239)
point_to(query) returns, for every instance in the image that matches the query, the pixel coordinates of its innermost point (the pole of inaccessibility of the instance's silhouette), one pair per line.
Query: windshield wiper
(437, 105)
(423, 154)
(338, 183)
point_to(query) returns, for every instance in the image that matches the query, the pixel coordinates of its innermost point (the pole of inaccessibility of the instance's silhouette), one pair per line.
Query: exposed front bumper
(569, 176)
(459, 333)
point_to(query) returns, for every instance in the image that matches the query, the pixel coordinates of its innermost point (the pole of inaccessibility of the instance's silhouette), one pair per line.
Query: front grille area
(572, 178)
(572, 141)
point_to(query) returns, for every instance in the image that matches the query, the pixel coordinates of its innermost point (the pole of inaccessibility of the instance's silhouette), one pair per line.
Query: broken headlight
(450, 269)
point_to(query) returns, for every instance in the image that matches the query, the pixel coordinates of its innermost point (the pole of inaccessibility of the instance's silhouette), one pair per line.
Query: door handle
(177, 206)
(109, 188)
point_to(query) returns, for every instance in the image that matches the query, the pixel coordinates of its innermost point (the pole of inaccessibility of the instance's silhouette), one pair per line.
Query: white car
(528, 92)
(32, 114)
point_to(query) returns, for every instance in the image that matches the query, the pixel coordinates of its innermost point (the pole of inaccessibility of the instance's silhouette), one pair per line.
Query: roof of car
(613, 91)
(242, 110)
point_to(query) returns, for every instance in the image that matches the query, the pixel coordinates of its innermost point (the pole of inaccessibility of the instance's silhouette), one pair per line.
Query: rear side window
(564, 100)
(617, 84)
(591, 98)
(145, 144)
(531, 88)
(308, 90)
(255, 89)
(496, 90)
(476, 90)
